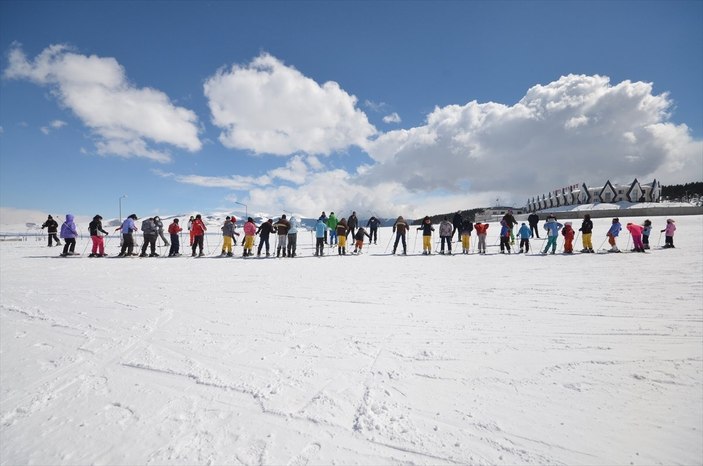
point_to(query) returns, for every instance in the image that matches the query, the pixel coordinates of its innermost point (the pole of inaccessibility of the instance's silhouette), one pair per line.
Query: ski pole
(415, 242)
(660, 239)
(601, 244)
(627, 248)
(388, 245)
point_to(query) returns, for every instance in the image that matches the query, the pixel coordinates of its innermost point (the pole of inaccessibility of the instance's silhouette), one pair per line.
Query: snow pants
(342, 241)
(127, 244)
(320, 246)
(586, 240)
(668, 241)
(551, 242)
(198, 242)
(525, 245)
(448, 240)
(333, 236)
(568, 245)
(504, 243)
(292, 243)
(149, 241)
(427, 244)
(373, 235)
(482, 243)
(69, 245)
(55, 238)
(175, 246)
(398, 238)
(263, 240)
(227, 244)
(465, 242)
(248, 242)
(98, 245)
(533, 230)
(637, 241)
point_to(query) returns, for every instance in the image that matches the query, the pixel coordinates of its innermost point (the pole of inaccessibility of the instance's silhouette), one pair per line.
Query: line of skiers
(339, 230)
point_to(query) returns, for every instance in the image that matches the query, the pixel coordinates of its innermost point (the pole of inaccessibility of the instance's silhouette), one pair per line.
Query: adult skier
(52, 227)
(198, 229)
(127, 229)
(510, 222)
(533, 220)
(264, 231)
(150, 234)
(332, 222)
(293, 236)
(281, 228)
(160, 230)
(352, 223)
(96, 228)
(456, 223)
(400, 228)
(373, 225)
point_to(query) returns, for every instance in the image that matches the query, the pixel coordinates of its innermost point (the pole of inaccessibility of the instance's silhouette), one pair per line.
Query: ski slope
(370, 359)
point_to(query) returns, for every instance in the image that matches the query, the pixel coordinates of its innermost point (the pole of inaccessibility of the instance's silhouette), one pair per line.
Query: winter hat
(50, 217)
(670, 220)
(227, 218)
(283, 216)
(198, 216)
(133, 217)
(97, 217)
(249, 219)
(175, 220)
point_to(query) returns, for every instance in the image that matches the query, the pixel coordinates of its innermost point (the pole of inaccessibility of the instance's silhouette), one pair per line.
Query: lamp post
(120, 201)
(246, 211)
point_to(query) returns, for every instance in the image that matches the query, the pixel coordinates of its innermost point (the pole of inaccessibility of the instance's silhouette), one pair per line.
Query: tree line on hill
(681, 191)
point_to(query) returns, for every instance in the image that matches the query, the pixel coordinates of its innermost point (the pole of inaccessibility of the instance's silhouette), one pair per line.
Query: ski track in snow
(521, 359)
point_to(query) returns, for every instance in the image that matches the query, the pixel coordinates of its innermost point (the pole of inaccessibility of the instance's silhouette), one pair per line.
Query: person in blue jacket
(127, 228)
(613, 233)
(524, 233)
(552, 227)
(320, 231)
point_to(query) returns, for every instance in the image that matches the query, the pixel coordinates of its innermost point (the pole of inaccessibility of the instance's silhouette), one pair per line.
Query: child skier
(636, 234)
(586, 233)
(340, 234)
(174, 229)
(465, 233)
(227, 234)
(524, 233)
(320, 229)
(669, 233)
(249, 234)
(646, 231)
(504, 236)
(552, 227)
(481, 231)
(359, 238)
(568, 233)
(427, 230)
(446, 231)
(613, 233)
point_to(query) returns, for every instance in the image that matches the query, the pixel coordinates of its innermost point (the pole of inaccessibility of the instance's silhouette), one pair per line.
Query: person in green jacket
(332, 225)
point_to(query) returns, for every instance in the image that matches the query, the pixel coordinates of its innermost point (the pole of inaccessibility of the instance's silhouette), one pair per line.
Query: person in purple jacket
(69, 233)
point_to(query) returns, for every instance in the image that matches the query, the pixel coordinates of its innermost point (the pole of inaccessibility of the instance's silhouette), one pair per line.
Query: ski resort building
(576, 194)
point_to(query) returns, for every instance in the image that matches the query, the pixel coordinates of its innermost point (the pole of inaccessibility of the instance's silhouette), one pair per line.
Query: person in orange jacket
(481, 231)
(568, 232)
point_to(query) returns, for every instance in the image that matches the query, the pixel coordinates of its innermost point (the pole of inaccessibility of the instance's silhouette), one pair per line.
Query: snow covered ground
(584, 359)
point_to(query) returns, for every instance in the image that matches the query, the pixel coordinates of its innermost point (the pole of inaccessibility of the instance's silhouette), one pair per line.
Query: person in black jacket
(533, 220)
(96, 228)
(264, 230)
(372, 225)
(456, 223)
(586, 233)
(52, 227)
(352, 223)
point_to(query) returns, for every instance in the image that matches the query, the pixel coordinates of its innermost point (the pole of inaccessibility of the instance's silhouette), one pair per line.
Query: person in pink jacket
(249, 234)
(669, 233)
(636, 234)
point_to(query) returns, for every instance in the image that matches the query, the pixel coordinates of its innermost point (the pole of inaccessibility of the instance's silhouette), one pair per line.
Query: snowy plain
(370, 359)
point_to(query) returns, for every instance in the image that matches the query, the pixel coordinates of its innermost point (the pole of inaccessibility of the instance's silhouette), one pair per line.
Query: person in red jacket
(568, 232)
(198, 230)
(174, 229)
(481, 231)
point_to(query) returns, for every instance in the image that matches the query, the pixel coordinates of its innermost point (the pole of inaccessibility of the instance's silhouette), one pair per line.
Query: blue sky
(385, 108)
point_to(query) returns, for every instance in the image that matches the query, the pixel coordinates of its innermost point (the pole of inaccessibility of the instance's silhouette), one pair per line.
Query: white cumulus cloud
(268, 107)
(578, 128)
(392, 118)
(126, 120)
